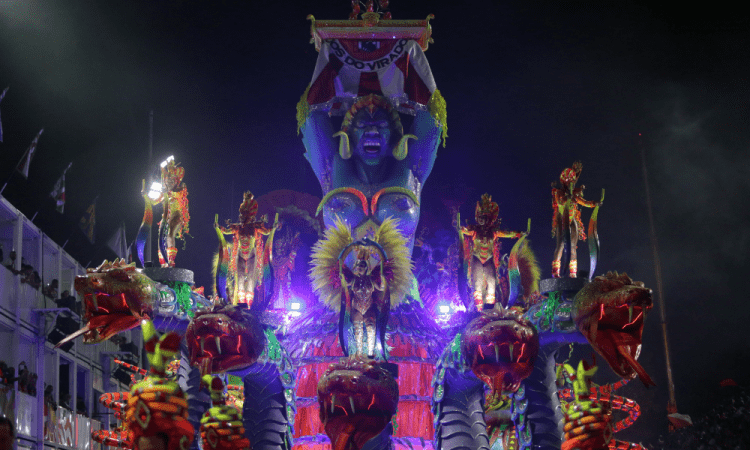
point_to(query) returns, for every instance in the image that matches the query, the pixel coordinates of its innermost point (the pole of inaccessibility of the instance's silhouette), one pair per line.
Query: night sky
(530, 89)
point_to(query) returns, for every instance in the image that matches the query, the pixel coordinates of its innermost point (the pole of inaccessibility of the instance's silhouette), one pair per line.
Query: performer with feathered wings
(248, 258)
(363, 290)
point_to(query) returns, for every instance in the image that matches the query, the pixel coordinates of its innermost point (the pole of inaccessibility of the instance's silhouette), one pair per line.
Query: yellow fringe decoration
(326, 251)
(528, 266)
(394, 245)
(325, 254)
(438, 110)
(303, 109)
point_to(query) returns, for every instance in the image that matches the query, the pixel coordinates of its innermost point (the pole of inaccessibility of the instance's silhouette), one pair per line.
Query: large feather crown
(325, 271)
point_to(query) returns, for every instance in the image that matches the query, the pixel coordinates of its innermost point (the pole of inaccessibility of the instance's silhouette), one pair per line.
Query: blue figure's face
(370, 135)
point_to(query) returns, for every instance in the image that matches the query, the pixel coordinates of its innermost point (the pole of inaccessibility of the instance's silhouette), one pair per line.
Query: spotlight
(295, 306)
(155, 190)
(444, 309)
(166, 161)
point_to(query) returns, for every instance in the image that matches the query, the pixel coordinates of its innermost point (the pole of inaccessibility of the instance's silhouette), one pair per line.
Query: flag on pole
(58, 192)
(89, 220)
(25, 162)
(2, 96)
(118, 243)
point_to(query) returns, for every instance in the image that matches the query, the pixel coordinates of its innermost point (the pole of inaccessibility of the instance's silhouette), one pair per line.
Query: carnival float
(369, 366)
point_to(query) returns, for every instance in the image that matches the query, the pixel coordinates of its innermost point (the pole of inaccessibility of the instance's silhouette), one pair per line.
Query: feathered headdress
(487, 208)
(370, 103)
(248, 207)
(327, 251)
(172, 174)
(571, 174)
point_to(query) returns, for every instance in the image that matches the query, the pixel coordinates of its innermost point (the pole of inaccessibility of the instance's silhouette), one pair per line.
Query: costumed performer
(363, 292)
(566, 217)
(482, 251)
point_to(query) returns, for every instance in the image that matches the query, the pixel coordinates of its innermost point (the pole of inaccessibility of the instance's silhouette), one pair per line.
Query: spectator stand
(30, 325)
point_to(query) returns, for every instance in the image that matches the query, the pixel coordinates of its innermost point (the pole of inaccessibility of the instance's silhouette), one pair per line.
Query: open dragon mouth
(501, 346)
(357, 399)
(610, 312)
(224, 339)
(106, 316)
(116, 297)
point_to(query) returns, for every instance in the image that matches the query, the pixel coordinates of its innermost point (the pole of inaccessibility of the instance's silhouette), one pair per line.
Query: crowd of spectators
(31, 277)
(27, 273)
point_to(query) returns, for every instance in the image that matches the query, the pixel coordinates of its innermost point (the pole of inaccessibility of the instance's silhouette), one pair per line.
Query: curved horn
(345, 151)
(402, 149)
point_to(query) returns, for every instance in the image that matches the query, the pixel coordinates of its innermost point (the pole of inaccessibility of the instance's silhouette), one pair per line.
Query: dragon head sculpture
(500, 346)
(224, 338)
(357, 398)
(116, 297)
(610, 312)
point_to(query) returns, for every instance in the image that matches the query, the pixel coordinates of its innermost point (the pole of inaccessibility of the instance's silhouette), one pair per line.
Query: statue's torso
(362, 288)
(361, 218)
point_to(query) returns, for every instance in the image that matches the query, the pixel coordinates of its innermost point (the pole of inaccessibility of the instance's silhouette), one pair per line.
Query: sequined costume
(482, 252)
(285, 254)
(157, 409)
(175, 222)
(364, 291)
(248, 256)
(567, 197)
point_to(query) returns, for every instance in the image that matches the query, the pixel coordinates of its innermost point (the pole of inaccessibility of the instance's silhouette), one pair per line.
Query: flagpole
(7, 181)
(672, 406)
(27, 155)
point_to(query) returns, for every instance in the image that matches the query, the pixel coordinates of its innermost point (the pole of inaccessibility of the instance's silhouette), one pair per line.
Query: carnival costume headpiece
(570, 175)
(372, 102)
(248, 207)
(488, 209)
(157, 405)
(172, 174)
(325, 273)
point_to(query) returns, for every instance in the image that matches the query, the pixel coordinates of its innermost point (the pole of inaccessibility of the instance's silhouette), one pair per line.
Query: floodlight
(166, 161)
(444, 309)
(155, 190)
(295, 306)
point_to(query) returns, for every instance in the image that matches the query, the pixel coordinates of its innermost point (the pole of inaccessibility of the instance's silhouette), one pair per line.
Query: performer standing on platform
(565, 201)
(482, 251)
(247, 258)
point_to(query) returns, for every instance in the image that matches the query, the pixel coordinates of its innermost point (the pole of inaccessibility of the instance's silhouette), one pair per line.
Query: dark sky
(530, 89)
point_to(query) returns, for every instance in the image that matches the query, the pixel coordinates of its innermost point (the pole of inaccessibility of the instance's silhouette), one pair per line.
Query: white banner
(65, 433)
(83, 427)
(97, 381)
(26, 416)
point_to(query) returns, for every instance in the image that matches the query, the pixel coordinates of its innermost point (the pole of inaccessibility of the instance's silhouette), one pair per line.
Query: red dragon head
(116, 297)
(225, 338)
(357, 398)
(500, 346)
(610, 312)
